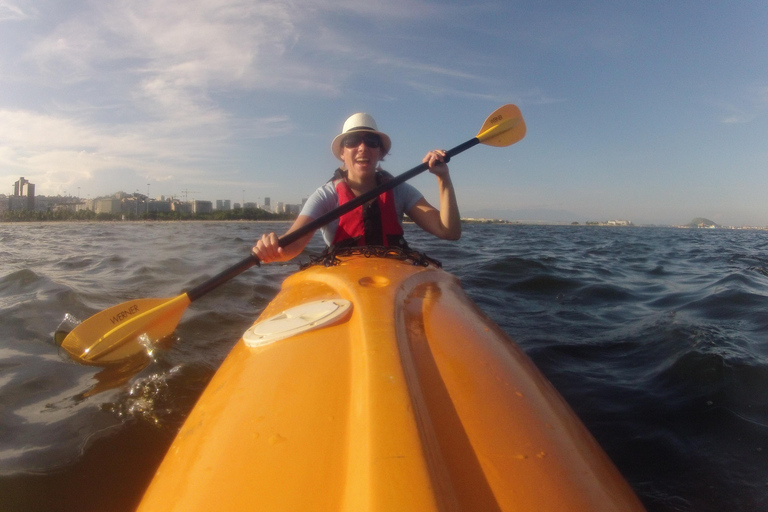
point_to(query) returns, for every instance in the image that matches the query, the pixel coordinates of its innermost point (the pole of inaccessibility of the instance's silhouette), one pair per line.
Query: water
(658, 338)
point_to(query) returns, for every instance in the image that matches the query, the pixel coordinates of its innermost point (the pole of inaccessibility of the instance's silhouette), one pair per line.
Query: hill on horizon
(701, 222)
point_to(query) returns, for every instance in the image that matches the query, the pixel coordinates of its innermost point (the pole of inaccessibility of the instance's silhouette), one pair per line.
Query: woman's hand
(435, 159)
(267, 249)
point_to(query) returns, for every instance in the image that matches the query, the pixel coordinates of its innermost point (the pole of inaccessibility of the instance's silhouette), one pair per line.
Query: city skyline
(19, 189)
(655, 111)
(137, 203)
(123, 203)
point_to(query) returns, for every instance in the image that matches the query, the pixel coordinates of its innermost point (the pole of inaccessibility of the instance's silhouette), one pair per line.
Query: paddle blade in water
(117, 333)
(503, 128)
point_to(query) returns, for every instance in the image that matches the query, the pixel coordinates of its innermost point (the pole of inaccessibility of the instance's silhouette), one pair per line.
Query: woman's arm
(444, 223)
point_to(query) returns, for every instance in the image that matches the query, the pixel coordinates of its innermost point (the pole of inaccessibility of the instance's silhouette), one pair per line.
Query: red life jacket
(352, 224)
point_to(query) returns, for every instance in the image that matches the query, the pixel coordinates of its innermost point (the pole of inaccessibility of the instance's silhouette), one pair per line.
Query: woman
(360, 146)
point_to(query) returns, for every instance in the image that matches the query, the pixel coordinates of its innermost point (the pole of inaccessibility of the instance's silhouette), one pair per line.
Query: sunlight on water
(148, 344)
(147, 399)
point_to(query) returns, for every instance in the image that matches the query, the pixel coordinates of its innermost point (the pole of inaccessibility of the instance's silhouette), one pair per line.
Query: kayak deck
(414, 400)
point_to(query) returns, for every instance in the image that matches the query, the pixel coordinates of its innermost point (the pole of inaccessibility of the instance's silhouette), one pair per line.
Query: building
(202, 207)
(86, 204)
(223, 204)
(292, 209)
(159, 206)
(23, 197)
(111, 205)
(178, 206)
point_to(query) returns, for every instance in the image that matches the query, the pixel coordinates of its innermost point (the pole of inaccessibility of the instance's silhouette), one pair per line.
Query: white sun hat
(360, 122)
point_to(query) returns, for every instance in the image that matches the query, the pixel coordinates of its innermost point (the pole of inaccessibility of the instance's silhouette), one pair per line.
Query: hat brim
(386, 143)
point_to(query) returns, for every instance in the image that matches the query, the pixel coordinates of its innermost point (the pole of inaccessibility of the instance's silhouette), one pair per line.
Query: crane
(185, 192)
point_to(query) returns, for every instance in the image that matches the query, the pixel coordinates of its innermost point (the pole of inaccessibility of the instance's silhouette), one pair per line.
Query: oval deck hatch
(296, 320)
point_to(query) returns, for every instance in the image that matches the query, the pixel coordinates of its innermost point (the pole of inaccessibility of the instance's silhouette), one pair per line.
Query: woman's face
(361, 153)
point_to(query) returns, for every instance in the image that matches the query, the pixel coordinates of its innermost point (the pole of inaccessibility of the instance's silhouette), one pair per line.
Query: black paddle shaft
(287, 239)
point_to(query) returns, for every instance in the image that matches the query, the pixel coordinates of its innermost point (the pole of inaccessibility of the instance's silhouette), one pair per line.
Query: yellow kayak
(377, 384)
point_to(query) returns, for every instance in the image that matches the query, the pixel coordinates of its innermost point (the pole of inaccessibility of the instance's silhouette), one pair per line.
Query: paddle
(130, 328)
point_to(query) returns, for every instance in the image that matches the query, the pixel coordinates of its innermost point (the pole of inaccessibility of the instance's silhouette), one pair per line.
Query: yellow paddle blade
(116, 333)
(503, 128)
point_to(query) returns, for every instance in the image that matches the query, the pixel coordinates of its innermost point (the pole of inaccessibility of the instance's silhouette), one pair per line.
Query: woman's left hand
(436, 161)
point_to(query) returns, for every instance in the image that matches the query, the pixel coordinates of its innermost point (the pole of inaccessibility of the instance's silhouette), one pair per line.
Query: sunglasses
(369, 139)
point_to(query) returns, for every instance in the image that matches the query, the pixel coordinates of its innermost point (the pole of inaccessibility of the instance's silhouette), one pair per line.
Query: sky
(654, 112)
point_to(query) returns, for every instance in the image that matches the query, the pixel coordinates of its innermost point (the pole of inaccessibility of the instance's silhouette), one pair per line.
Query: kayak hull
(414, 400)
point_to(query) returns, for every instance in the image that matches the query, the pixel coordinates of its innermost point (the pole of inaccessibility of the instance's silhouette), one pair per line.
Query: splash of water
(65, 327)
(147, 399)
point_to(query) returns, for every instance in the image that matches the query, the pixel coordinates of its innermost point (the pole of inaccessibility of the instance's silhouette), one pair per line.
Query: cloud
(751, 104)
(138, 84)
(174, 53)
(61, 151)
(406, 64)
(191, 45)
(11, 12)
(371, 9)
(172, 58)
(145, 75)
(206, 45)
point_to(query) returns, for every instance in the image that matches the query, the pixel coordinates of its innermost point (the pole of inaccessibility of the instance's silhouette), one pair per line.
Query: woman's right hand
(267, 249)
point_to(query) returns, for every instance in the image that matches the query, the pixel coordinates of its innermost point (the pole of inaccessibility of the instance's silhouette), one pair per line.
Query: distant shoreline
(406, 221)
(133, 221)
